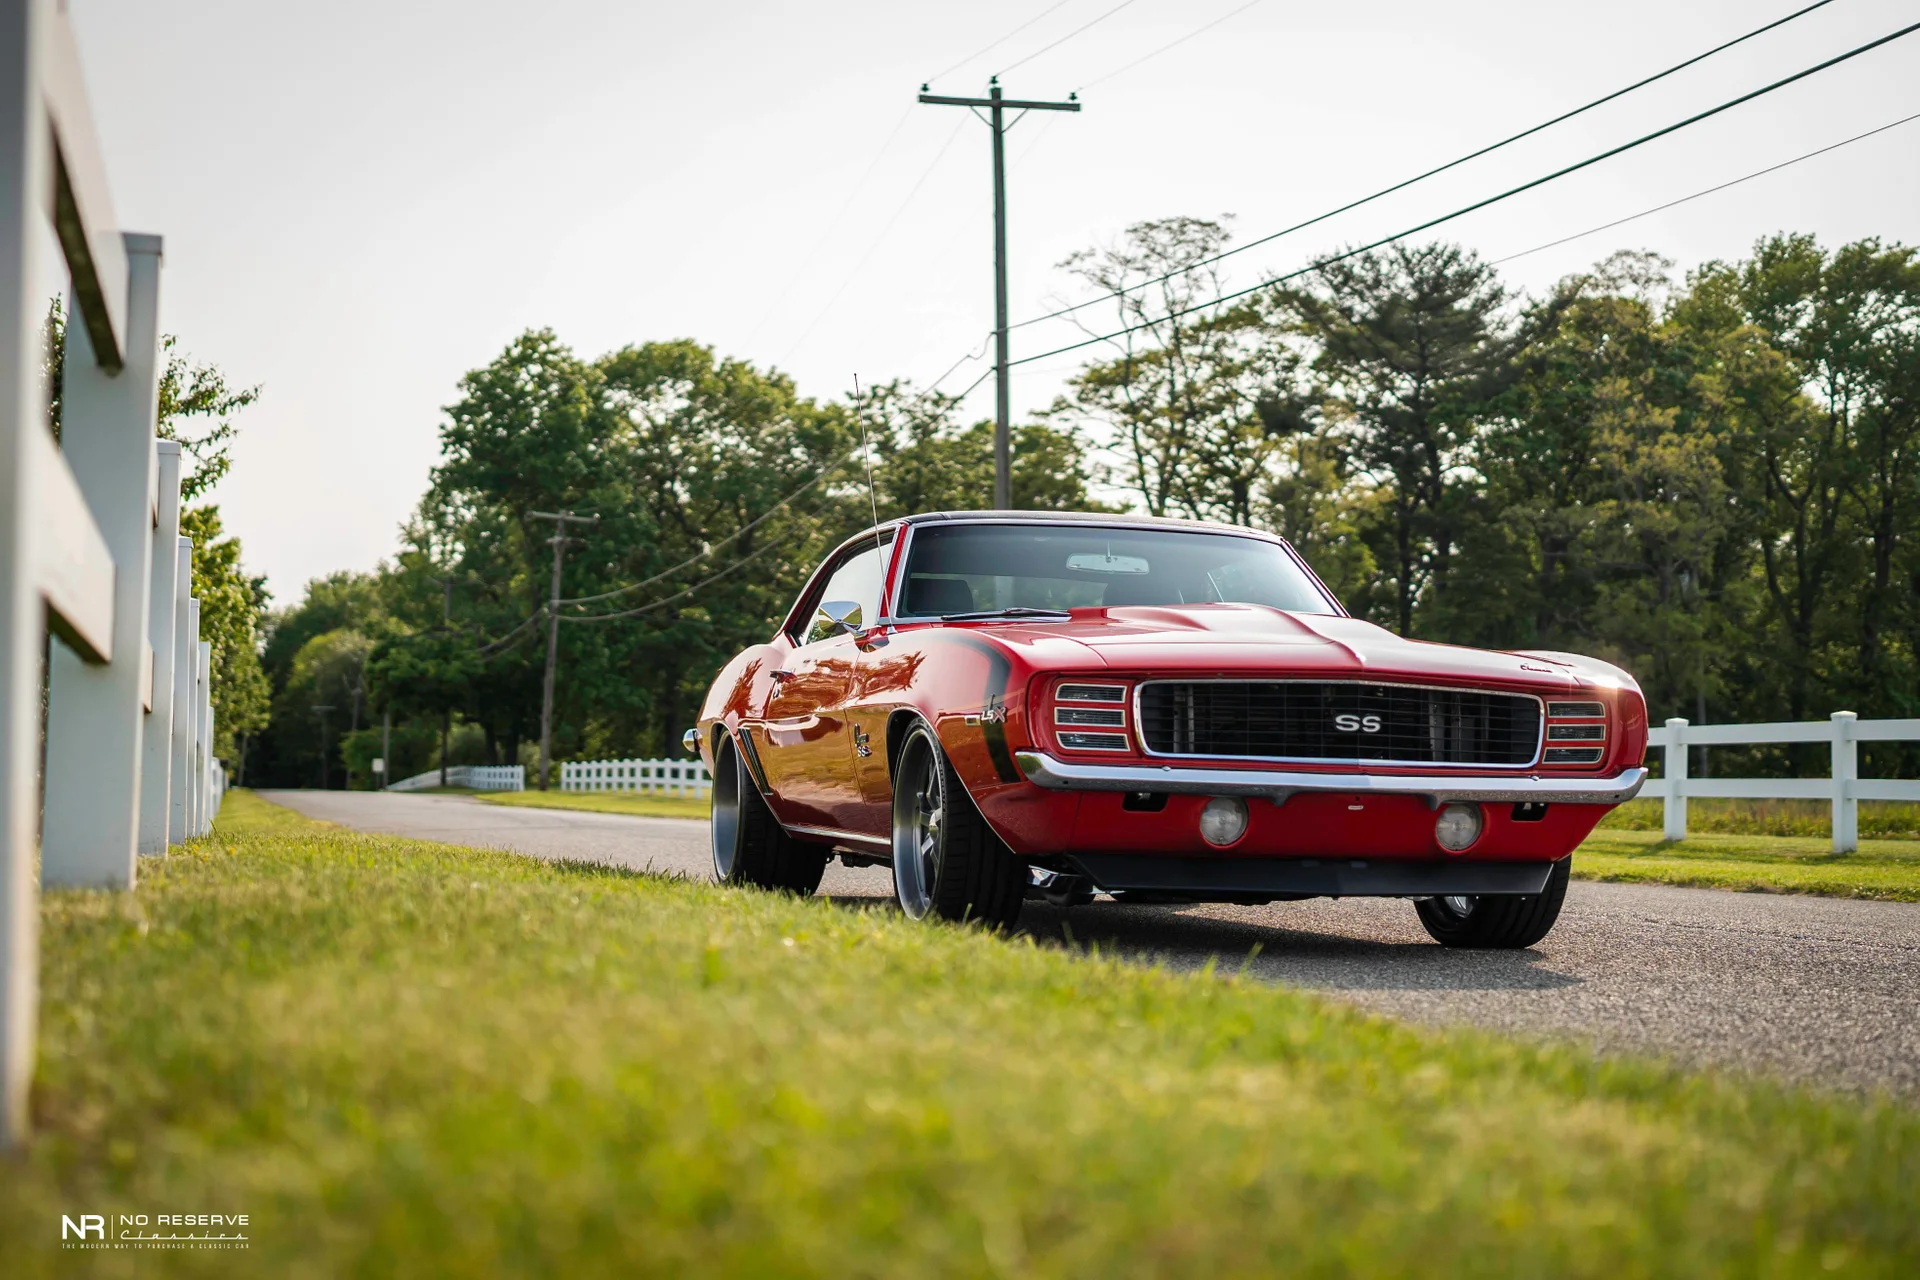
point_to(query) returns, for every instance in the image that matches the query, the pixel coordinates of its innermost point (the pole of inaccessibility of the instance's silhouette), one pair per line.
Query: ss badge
(1357, 724)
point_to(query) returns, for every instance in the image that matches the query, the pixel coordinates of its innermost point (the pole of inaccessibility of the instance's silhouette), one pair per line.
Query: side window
(856, 581)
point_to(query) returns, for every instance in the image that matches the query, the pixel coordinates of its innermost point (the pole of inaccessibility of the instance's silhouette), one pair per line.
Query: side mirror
(837, 618)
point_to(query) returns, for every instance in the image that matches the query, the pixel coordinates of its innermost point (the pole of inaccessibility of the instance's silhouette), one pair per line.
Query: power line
(749, 558)
(932, 389)
(1661, 208)
(1086, 26)
(997, 43)
(873, 246)
(1197, 31)
(1480, 204)
(735, 536)
(1451, 164)
(833, 223)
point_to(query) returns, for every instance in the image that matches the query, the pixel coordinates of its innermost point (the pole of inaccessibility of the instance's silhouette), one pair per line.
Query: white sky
(361, 201)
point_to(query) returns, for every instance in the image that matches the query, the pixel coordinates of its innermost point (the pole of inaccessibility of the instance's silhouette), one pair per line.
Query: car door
(808, 753)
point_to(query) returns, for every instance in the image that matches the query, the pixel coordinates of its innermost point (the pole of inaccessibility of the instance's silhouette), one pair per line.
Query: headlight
(1457, 827)
(1223, 821)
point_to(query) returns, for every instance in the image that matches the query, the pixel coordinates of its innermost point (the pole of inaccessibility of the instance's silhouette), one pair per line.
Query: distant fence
(650, 777)
(1843, 785)
(479, 777)
(90, 546)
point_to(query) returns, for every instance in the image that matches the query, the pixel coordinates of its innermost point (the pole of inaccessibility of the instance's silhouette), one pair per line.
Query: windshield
(977, 568)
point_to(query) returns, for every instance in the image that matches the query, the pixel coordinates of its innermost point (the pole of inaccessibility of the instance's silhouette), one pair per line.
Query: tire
(750, 847)
(947, 862)
(1503, 922)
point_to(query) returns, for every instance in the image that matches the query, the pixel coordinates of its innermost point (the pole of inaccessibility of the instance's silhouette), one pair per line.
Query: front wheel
(1497, 922)
(750, 847)
(947, 861)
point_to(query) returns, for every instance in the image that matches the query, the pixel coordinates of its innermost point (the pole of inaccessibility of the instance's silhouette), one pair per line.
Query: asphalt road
(1821, 990)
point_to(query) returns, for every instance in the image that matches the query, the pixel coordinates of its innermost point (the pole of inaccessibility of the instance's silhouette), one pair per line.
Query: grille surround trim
(1533, 762)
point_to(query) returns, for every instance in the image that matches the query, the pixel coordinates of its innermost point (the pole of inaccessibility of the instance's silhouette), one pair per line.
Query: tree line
(1710, 480)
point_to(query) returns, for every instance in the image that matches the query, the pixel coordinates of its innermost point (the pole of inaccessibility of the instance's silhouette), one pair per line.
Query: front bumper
(1278, 784)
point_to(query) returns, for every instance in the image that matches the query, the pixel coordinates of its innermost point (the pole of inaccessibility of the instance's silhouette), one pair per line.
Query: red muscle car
(1005, 704)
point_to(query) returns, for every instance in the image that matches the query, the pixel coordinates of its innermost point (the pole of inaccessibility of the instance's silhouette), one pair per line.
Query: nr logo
(91, 1225)
(1357, 724)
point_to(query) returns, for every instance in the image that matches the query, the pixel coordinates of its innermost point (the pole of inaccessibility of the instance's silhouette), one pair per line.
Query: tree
(1179, 398)
(232, 605)
(1414, 348)
(925, 462)
(328, 671)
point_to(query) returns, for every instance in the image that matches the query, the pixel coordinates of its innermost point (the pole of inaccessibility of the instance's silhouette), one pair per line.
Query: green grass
(406, 1059)
(1878, 818)
(1886, 869)
(602, 802)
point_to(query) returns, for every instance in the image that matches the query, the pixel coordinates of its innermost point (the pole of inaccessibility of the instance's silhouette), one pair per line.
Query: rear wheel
(947, 861)
(749, 845)
(1497, 922)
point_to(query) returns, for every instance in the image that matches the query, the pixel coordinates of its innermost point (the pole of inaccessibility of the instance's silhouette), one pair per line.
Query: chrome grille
(1339, 720)
(1091, 693)
(1106, 717)
(1094, 741)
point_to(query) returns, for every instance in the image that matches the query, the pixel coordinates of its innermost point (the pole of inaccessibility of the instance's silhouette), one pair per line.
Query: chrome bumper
(1276, 784)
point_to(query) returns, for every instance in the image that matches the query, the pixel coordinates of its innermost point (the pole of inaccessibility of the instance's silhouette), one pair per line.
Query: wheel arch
(900, 722)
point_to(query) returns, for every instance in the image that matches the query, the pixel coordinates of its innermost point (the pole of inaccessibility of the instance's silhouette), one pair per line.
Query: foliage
(1875, 818)
(1714, 483)
(1888, 870)
(197, 408)
(631, 803)
(231, 608)
(403, 1058)
(232, 605)
(923, 461)
(1196, 407)
(328, 671)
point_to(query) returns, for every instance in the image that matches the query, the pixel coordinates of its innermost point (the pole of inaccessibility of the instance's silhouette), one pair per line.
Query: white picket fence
(90, 545)
(480, 777)
(687, 778)
(1843, 785)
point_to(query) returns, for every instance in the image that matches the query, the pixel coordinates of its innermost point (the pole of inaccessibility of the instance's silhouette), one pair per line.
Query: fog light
(1223, 821)
(1458, 827)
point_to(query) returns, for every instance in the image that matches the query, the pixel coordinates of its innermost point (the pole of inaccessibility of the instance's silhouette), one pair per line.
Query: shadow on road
(1181, 940)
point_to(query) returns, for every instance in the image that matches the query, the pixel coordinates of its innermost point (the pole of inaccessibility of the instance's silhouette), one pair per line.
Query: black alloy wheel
(750, 847)
(947, 862)
(1496, 921)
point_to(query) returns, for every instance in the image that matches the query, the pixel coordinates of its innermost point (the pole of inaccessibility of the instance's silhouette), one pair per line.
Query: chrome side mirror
(837, 618)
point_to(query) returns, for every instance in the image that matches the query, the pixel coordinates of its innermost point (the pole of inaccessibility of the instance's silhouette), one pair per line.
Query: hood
(1244, 639)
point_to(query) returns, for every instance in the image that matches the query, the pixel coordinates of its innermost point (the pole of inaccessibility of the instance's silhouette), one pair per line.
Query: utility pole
(323, 744)
(446, 608)
(446, 624)
(561, 519)
(997, 106)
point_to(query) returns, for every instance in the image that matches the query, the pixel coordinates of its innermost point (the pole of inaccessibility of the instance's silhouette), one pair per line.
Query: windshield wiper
(1016, 611)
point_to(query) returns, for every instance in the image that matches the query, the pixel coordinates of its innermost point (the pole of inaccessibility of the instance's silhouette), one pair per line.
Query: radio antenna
(866, 451)
(873, 499)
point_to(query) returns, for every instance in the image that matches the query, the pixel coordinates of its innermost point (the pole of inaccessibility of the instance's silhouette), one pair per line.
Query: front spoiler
(1134, 877)
(1278, 784)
